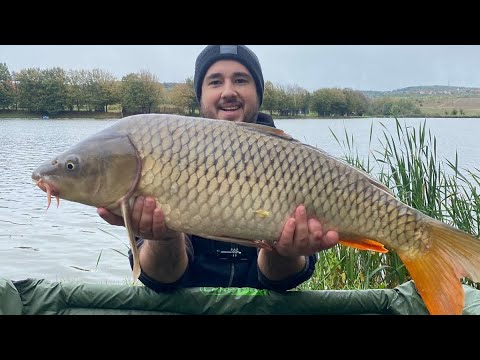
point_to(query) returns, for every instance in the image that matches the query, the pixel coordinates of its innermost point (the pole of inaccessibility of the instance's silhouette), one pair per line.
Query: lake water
(72, 243)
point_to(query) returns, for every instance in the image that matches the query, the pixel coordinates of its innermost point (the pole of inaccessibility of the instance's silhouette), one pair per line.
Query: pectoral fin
(133, 244)
(358, 242)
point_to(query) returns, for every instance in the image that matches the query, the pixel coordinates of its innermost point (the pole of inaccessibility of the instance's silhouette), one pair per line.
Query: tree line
(54, 90)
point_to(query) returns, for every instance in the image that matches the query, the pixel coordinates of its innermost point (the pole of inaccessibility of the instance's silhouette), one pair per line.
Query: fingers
(109, 217)
(145, 223)
(136, 213)
(148, 221)
(314, 226)
(320, 240)
(331, 238)
(300, 238)
(303, 236)
(286, 238)
(158, 226)
(294, 239)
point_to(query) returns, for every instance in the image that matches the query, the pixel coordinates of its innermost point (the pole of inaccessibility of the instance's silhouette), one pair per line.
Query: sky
(359, 67)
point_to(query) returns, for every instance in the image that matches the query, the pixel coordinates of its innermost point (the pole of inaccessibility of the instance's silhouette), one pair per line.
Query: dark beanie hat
(240, 53)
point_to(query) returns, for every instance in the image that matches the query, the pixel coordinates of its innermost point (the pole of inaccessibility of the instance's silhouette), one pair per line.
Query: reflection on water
(74, 243)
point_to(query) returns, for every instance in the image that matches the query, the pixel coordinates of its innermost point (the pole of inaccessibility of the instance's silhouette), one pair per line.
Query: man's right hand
(163, 254)
(148, 222)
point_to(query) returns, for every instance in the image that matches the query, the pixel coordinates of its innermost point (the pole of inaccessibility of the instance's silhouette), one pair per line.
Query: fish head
(100, 171)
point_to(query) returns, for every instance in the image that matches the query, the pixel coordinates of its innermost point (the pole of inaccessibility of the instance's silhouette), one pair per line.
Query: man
(229, 85)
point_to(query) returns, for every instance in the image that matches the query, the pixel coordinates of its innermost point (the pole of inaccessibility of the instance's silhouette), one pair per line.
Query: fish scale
(201, 177)
(240, 182)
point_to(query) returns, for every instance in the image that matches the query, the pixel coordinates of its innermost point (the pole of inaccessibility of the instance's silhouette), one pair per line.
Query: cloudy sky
(360, 67)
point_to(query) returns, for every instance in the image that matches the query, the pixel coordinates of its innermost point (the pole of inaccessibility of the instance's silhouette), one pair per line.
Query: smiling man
(229, 85)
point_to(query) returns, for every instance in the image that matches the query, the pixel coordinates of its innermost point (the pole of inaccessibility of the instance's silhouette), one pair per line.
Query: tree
(357, 102)
(77, 92)
(42, 90)
(329, 102)
(393, 107)
(299, 99)
(7, 91)
(102, 90)
(270, 98)
(283, 101)
(182, 96)
(29, 89)
(141, 93)
(53, 90)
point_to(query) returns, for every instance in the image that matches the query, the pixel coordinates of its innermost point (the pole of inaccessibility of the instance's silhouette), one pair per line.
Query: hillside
(437, 100)
(422, 91)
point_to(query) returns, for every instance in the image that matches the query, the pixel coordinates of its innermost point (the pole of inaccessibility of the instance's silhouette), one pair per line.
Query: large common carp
(240, 182)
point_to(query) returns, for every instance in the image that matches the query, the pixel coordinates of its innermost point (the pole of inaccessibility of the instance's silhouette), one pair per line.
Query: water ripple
(45, 244)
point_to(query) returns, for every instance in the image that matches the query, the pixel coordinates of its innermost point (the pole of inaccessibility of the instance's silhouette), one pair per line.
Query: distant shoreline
(117, 115)
(63, 115)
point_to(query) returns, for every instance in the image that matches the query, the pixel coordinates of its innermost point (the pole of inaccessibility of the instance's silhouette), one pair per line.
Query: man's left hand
(302, 236)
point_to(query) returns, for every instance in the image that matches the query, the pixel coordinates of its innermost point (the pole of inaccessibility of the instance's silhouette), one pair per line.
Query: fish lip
(45, 186)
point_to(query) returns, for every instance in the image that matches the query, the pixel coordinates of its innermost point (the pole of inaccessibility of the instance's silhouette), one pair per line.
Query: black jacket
(219, 264)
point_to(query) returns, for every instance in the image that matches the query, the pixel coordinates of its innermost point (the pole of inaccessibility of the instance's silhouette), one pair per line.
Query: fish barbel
(240, 182)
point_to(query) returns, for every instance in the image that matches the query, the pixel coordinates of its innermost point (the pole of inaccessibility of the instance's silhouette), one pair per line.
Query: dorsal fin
(368, 177)
(379, 185)
(267, 130)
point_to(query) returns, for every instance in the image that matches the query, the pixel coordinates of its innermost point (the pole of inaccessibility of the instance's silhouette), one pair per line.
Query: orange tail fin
(454, 254)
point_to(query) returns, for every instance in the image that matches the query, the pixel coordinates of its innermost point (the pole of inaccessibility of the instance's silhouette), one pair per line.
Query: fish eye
(70, 165)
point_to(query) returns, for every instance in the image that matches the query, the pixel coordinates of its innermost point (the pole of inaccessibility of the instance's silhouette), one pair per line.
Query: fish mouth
(49, 189)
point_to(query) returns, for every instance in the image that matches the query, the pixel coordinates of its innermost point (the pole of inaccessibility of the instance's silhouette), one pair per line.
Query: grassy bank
(408, 165)
(441, 106)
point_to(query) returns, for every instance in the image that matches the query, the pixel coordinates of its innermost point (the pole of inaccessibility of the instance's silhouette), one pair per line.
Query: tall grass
(407, 163)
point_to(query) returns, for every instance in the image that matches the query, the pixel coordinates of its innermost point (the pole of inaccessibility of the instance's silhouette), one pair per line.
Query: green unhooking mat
(41, 297)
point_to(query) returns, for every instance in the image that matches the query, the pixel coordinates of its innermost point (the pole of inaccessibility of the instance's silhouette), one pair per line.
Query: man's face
(229, 93)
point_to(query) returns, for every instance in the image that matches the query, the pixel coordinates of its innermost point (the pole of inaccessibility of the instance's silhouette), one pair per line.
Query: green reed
(407, 163)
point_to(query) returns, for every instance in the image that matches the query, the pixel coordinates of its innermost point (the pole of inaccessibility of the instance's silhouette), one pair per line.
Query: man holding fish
(229, 85)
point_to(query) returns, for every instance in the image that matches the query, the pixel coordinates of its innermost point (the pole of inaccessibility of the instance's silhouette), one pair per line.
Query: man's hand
(302, 236)
(148, 222)
(163, 254)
